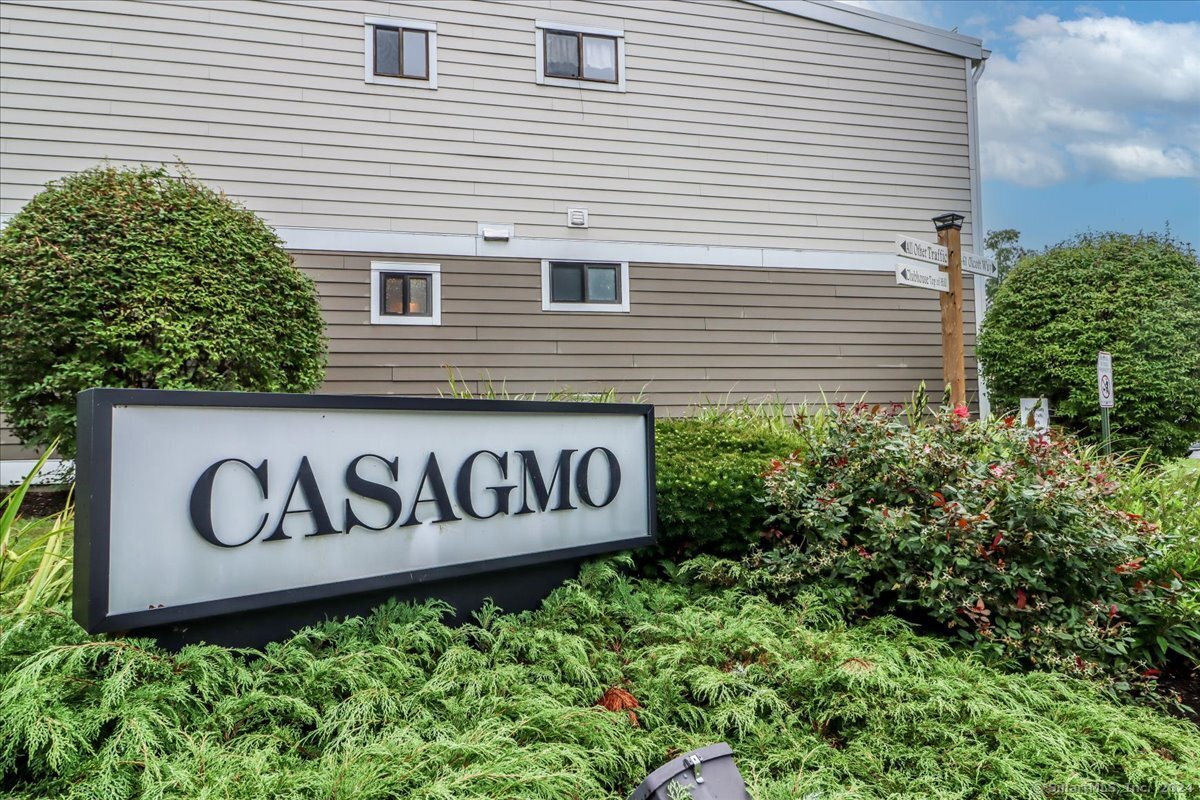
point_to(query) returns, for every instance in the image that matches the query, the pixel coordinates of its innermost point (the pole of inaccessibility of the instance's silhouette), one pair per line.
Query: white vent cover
(577, 218)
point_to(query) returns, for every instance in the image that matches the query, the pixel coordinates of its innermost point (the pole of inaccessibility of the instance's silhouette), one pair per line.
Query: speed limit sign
(1104, 379)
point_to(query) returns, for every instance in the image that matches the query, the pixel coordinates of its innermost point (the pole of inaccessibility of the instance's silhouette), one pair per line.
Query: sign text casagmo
(203, 503)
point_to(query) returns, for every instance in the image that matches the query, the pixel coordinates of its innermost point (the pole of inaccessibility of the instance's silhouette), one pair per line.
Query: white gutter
(974, 71)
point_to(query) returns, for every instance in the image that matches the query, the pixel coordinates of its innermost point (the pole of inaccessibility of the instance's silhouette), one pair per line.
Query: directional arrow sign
(980, 265)
(922, 250)
(922, 277)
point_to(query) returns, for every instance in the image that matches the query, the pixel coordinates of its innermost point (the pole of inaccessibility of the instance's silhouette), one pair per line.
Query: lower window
(585, 286)
(406, 294)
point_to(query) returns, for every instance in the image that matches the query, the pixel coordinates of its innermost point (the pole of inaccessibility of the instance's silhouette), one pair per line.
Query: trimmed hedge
(143, 279)
(1137, 297)
(710, 482)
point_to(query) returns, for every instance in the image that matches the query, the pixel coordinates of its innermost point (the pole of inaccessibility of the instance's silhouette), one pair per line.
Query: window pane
(562, 54)
(418, 295)
(566, 283)
(393, 294)
(387, 51)
(602, 284)
(600, 58)
(414, 55)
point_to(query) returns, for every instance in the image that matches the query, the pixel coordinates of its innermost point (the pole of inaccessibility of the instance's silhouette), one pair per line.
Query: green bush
(1003, 536)
(710, 481)
(1168, 496)
(1137, 297)
(142, 279)
(581, 699)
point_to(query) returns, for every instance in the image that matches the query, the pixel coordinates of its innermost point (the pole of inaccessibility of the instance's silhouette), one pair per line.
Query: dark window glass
(393, 294)
(405, 295)
(562, 54)
(584, 283)
(387, 51)
(600, 58)
(566, 283)
(418, 296)
(601, 283)
(416, 54)
(402, 54)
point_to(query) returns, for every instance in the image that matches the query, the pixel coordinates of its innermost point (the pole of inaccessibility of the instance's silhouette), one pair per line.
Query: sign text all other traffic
(922, 250)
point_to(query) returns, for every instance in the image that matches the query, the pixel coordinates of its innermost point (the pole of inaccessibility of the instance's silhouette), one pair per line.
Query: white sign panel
(1104, 379)
(1035, 412)
(922, 250)
(979, 265)
(922, 277)
(209, 502)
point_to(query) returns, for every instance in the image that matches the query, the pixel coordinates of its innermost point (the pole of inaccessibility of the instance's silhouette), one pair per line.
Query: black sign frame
(93, 491)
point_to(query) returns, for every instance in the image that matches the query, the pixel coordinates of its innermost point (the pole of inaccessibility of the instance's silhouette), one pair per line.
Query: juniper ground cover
(580, 699)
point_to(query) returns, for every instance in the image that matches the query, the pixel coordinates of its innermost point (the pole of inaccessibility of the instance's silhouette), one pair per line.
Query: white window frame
(434, 271)
(612, 308)
(369, 76)
(540, 27)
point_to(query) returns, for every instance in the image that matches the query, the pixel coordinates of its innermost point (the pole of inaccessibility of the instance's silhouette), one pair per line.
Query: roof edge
(885, 25)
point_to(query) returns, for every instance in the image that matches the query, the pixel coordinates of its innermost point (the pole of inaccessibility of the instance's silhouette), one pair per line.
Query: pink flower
(962, 411)
(996, 470)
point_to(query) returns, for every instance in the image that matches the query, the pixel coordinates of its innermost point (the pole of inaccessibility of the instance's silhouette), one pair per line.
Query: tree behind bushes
(1138, 297)
(1006, 249)
(143, 279)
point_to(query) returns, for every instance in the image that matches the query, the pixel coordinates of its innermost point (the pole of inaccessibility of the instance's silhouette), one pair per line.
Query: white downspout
(974, 70)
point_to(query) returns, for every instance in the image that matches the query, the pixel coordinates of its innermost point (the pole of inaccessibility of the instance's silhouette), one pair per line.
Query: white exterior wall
(741, 126)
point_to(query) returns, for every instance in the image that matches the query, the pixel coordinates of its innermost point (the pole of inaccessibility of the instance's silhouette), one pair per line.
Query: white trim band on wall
(13, 471)
(326, 240)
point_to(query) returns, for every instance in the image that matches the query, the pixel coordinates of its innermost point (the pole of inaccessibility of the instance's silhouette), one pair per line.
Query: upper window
(400, 52)
(406, 294)
(575, 56)
(585, 286)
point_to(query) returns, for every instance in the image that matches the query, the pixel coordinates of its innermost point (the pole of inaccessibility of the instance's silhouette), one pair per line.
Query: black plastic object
(705, 774)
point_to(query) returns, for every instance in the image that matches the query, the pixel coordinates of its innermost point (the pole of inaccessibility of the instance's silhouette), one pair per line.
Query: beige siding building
(691, 200)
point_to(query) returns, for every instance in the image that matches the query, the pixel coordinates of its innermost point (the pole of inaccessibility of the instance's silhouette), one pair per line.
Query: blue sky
(1089, 112)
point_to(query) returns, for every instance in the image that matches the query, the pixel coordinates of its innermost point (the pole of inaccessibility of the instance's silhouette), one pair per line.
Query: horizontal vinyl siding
(693, 335)
(11, 448)
(741, 125)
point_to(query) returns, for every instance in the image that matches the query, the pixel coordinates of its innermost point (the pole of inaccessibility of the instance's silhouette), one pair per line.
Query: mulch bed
(1183, 681)
(40, 502)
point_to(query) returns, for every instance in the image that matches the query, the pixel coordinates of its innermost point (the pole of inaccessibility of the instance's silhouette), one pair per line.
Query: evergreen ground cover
(611, 677)
(614, 675)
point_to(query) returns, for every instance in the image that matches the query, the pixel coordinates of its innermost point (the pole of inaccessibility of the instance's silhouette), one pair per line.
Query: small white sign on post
(922, 277)
(922, 250)
(1035, 412)
(1104, 379)
(979, 265)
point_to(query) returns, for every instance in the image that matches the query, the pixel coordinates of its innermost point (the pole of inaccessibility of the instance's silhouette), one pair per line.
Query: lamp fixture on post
(950, 220)
(954, 373)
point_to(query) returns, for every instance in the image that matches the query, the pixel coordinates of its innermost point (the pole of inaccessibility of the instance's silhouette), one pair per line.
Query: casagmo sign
(194, 504)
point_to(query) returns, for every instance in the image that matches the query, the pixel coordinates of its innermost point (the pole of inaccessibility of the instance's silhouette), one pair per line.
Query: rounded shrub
(143, 279)
(1137, 297)
(1005, 538)
(710, 483)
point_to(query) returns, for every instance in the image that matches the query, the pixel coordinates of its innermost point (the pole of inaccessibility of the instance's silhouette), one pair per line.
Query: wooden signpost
(947, 253)
(954, 371)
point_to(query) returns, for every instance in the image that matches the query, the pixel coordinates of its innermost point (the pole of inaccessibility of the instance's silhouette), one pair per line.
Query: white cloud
(1098, 97)
(1134, 162)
